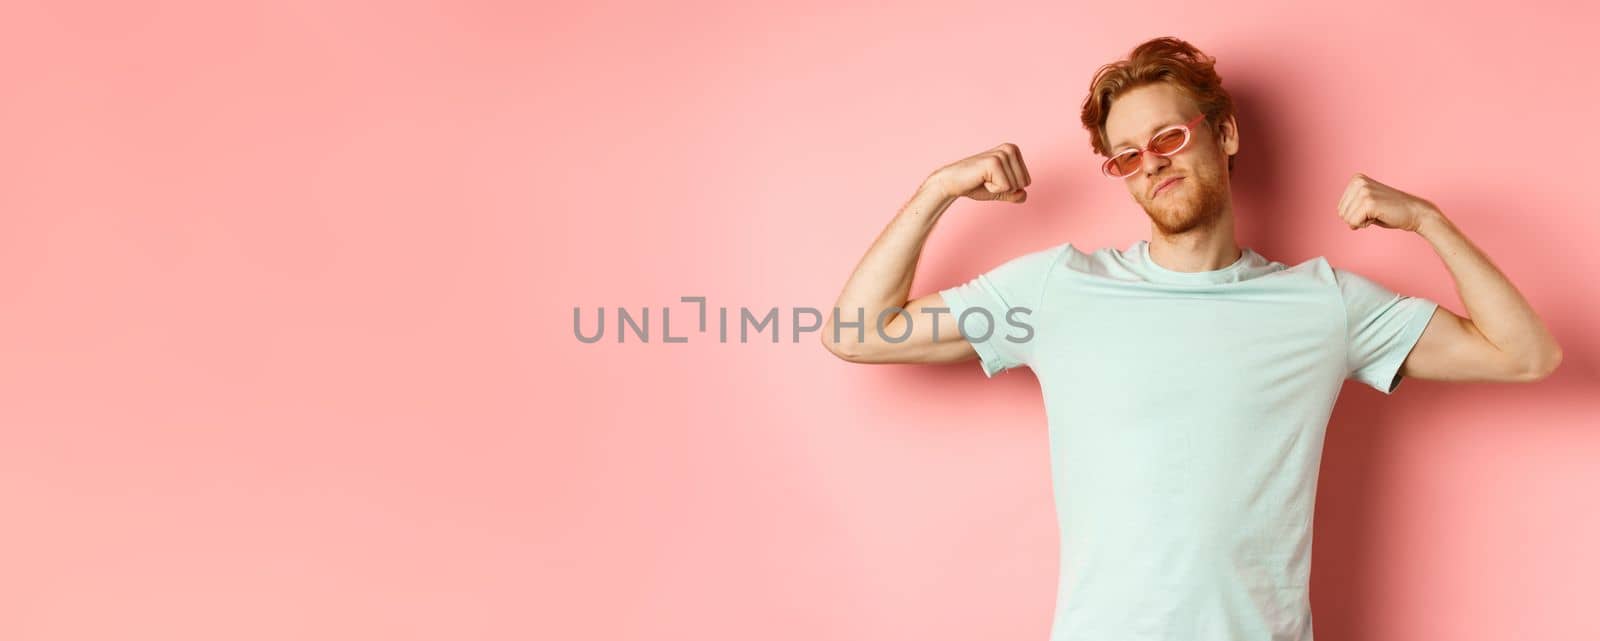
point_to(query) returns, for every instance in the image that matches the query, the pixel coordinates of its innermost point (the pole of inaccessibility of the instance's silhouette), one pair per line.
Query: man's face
(1200, 196)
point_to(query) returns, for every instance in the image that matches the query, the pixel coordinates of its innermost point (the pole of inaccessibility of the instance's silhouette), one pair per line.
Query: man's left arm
(1501, 339)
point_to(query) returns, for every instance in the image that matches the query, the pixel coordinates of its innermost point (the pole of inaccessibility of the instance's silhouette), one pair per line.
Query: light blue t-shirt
(1186, 416)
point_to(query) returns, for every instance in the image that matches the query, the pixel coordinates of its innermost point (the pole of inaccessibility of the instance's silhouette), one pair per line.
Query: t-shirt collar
(1138, 257)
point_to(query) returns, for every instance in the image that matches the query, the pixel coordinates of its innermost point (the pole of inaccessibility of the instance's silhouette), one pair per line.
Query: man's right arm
(881, 282)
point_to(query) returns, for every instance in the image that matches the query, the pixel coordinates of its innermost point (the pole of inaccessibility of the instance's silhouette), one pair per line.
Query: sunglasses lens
(1123, 164)
(1168, 142)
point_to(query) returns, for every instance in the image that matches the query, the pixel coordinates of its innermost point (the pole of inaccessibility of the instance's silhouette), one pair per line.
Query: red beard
(1195, 202)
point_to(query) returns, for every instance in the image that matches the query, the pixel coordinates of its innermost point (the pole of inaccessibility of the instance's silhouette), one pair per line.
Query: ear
(1230, 136)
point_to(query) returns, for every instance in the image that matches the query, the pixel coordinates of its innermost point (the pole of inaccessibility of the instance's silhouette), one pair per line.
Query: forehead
(1138, 113)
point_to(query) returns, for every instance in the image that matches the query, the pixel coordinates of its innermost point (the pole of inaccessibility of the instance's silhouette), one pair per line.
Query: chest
(1161, 352)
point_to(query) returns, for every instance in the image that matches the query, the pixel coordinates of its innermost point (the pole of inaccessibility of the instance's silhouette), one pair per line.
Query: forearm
(882, 279)
(1494, 305)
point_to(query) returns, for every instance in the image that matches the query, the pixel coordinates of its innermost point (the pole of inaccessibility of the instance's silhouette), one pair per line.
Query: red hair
(1166, 59)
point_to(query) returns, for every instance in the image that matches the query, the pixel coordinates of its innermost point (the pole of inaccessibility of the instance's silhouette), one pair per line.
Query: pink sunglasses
(1164, 143)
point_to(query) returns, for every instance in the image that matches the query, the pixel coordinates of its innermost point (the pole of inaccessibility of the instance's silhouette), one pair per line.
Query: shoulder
(1365, 297)
(1054, 254)
(1354, 284)
(1041, 261)
(1100, 261)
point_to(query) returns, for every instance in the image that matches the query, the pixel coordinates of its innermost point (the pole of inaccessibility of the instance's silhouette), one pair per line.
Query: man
(1187, 382)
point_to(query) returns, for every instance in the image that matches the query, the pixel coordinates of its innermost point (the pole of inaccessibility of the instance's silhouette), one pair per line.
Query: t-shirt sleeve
(996, 310)
(1381, 329)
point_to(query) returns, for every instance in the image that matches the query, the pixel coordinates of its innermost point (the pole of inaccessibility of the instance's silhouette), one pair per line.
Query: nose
(1151, 163)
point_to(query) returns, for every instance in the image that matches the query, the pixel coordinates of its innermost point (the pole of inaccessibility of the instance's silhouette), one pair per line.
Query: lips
(1164, 184)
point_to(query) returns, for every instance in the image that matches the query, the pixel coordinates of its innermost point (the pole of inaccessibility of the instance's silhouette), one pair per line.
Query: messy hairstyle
(1165, 59)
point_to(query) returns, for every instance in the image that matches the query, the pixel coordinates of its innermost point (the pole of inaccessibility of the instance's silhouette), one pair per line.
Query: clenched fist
(996, 174)
(1367, 201)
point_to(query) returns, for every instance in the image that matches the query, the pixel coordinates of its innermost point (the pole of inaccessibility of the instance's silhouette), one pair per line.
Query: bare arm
(1502, 339)
(881, 282)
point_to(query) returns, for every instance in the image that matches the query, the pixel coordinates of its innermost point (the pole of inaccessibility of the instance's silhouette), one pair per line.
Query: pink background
(287, 293)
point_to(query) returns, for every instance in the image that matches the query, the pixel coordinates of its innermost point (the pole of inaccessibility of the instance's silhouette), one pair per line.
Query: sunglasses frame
(1188, 134)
